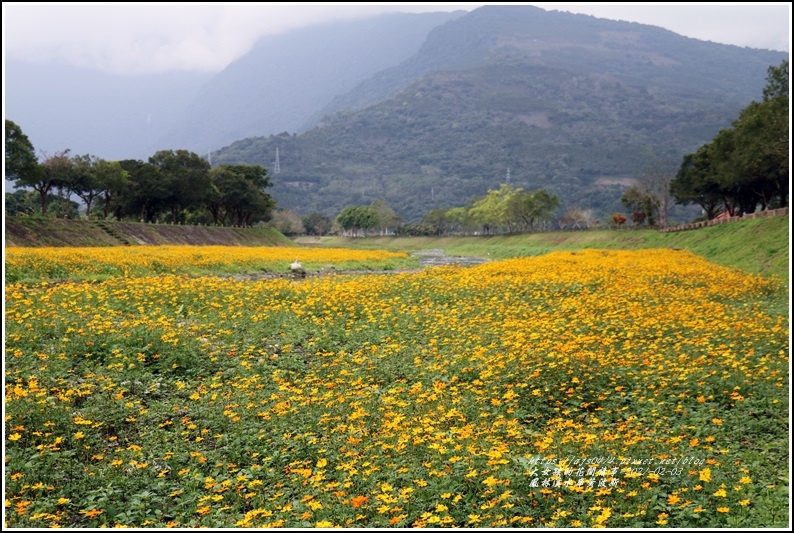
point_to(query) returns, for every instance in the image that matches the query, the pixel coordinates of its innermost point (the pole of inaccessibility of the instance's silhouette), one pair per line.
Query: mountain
(91, 112)
(570, 103)
(283, 81)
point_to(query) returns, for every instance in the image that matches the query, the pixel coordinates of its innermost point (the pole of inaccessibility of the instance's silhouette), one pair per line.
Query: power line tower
(276, 165)
(508, 175)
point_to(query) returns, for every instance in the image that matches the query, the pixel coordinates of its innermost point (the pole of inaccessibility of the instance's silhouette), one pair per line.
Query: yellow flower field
(78, 263)
(586, 389)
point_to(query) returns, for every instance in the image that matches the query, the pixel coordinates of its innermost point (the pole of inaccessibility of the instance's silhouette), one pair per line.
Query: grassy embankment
(37, 232)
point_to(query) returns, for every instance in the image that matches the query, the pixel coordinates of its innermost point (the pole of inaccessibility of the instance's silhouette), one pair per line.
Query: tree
(287, 222)
(578, 218)
(639, 200)
(385, 217)
(746, 165)
(112, 183)
(54, 172)
(654, 181)
(462, 217)
(21, 164)
(733, 181)
(26, 202)
(437, 220)
(186, 176)
(21, 202)
(357, 218)
(317, 224)
(23, 168)
(694, 183)
(526, 209)
(146, 193)
(618, 219)
(491, 211)
(638, 218)
(776, 81)
(86, 179)
(237, 193)
(761, 149)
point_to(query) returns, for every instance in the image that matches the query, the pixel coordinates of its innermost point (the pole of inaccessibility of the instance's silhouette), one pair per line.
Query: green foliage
(144, 194)
(507, 208)
(745, 167)
(96, 178)
(357, 218)
(57, 172)
(490, 211)
(527, 210)
(185, 176)
(20, 158)
(237, 195)
(437, 222)
(287, 222)
(20, 202)
(777, 81)
(316, 224)
(640, 202)
(385, 218)
(692, 184)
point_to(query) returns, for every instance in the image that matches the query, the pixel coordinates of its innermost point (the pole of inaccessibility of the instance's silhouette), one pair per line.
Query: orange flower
(358, 501)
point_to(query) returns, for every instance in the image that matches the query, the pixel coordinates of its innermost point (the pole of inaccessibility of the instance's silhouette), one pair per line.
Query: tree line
(172, 185)
(506, 209)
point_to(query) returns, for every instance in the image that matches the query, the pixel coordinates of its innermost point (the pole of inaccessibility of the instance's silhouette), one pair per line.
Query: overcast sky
(129, 38)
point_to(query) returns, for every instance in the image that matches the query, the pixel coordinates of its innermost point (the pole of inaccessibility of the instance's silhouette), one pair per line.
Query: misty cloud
(133, 39)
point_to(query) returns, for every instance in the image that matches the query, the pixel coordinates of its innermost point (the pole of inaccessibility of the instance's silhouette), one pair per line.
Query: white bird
(297, 268)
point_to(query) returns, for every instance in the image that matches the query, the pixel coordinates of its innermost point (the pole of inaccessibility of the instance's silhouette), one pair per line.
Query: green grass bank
(38, 232)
